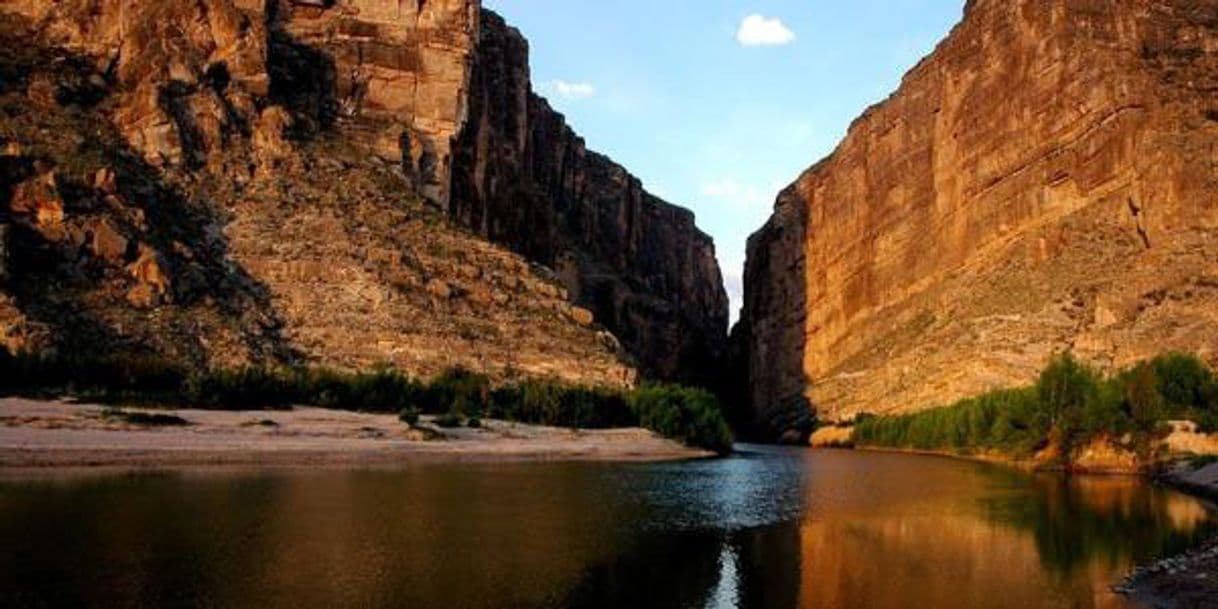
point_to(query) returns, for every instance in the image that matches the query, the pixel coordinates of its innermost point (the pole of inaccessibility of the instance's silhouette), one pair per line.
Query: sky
(717, 105)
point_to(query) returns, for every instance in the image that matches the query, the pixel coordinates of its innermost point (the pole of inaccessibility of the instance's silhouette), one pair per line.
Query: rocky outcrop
(639, 265)
(400, 67)
(304, 138)
(1045, 180)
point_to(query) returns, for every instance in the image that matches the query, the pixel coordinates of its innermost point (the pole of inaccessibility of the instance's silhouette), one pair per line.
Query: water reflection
(770, 529)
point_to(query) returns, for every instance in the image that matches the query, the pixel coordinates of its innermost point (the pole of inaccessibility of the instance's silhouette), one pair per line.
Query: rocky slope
(232, 181)
(1045, 180)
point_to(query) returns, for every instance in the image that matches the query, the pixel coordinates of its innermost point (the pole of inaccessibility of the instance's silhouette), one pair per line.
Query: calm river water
(769, 528)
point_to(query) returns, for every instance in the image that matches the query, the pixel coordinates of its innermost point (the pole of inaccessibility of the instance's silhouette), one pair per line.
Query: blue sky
(718, 104)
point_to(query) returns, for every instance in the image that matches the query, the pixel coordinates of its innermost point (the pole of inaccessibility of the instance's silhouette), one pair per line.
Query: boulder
(107, 243)
(151, 274)
(38, 201)
(440, 289)
(582, 316)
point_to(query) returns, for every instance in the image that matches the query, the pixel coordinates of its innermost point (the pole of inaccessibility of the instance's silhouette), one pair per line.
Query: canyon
(345, 183)
(1044, 181)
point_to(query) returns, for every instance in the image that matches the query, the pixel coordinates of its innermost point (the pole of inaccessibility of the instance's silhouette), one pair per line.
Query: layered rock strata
(1046, 180)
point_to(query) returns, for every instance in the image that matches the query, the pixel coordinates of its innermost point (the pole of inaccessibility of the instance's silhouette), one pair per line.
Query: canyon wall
(400, 67)
(1044, 181)
(285, 162)
(522, 177)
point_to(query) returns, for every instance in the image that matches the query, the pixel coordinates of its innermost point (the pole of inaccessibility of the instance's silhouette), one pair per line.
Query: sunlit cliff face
(1041, 182)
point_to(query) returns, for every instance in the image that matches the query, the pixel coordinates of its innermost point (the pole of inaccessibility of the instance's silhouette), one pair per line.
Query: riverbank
(1190, 580)
(40, 434)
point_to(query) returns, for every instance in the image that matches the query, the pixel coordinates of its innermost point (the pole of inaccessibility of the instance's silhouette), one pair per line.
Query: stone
(42, 89)
(440, 289)
(269, 140)
(105, 181)
(582, 316)
(38, 200)
(107, 243)
(151, 274)
(1047, 152)
(4, 248)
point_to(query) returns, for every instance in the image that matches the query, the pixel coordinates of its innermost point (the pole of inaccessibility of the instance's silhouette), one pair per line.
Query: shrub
(458, 391)
(241, 389)
(474, 423)
(1065, 388)
(409, 416)
(383, 390)
(1069, 402)
(448, 420)
(1183, 380)
(145, 418)
(692, 416)
(1145, 403)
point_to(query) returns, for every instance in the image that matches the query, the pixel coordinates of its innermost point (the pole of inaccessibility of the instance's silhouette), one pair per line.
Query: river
(769, 527)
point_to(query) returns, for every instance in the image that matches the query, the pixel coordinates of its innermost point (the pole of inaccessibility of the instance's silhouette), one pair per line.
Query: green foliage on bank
(457, 397)
(690, 415)
(1070, 404)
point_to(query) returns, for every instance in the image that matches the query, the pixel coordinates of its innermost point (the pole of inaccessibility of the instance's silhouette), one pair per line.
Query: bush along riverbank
(1073, 418)
(458, 397)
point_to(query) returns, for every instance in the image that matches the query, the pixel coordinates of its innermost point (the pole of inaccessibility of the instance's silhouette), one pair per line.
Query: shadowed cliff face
(227, 182)
(522, 177)
(1045, 180)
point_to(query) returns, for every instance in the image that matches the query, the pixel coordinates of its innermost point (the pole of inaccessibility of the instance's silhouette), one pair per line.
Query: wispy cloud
(735, 193)
(759, 30)
(570, 90)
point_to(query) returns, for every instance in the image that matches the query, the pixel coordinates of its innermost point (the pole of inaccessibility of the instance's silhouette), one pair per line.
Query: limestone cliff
(227, 181)
(522, 177)
(1045, 180)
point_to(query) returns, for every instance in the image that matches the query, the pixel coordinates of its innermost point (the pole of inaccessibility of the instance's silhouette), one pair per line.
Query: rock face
(401, 66)
(244, 180)
(523, 178)
(1045, 180)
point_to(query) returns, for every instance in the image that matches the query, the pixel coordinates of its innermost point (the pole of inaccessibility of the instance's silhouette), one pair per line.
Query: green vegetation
(409, 416)
(1070, 405)
(448, 420)
(552, 403)
(150, 419)
(690, 415)
(456, 397)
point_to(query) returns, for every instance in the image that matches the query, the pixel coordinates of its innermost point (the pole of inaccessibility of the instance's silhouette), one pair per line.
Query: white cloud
(758, 30)
(736, 194)
(571, 90)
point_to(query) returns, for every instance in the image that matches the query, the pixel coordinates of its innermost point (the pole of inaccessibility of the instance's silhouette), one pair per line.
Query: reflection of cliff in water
(1078, 521)
(894, 531)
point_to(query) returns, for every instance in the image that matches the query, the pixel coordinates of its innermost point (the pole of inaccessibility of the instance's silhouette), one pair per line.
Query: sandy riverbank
(35, 434)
